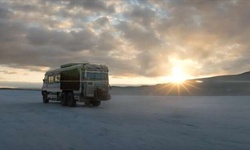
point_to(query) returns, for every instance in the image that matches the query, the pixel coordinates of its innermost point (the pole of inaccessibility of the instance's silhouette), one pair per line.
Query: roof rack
(70, 64)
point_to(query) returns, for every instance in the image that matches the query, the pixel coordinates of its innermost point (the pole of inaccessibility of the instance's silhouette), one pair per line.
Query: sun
(178, 75)
(178, 82)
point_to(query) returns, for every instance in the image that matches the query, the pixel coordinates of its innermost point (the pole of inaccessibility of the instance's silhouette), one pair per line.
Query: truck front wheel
(45, 97)
(96, 103)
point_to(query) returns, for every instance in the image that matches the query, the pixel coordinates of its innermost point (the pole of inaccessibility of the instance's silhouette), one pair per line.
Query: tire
(45, 97)
(95, 103)
(71, 100)
(87, 103)
(64, 101)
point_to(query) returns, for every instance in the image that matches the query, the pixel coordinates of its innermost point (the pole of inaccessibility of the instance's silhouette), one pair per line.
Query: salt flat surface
(125, 122)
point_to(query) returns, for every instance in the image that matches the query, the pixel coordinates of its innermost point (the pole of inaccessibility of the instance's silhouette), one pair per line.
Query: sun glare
(178, 75)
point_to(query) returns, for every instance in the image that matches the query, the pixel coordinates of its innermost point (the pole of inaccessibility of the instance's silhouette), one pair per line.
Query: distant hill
(219, 85)
(230, 78)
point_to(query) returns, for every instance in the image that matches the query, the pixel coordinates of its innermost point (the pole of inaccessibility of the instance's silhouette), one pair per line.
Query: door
(90, 89)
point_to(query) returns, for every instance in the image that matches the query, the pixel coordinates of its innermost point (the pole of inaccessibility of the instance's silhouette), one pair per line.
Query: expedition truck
(82, 82)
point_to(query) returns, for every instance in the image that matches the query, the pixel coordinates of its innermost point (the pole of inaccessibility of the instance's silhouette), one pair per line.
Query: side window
(51, 79)
(57, 78)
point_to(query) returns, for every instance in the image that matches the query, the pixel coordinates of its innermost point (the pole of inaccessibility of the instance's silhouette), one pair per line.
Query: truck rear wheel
(64, 101)
(45, 97)
(87, 103)
(71, 100)
(96, 103)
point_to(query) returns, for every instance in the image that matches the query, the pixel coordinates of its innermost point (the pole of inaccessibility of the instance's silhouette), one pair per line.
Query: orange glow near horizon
(185, 87)
(178, 77)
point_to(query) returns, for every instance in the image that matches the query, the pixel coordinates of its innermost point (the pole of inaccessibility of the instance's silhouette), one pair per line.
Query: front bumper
(102, 95)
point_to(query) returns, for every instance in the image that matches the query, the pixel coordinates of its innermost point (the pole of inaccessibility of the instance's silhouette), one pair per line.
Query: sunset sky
(141, 41)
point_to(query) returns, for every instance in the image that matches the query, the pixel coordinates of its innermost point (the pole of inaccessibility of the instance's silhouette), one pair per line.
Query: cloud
(141, 38)
(72, 41)
(141, 15)
(106, 42)
(8, 72)
(93, 5)
(136, 38)
(203, 31)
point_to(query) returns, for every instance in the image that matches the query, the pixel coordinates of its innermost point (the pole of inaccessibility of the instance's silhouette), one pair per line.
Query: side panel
(54, 87)
(70, 79)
